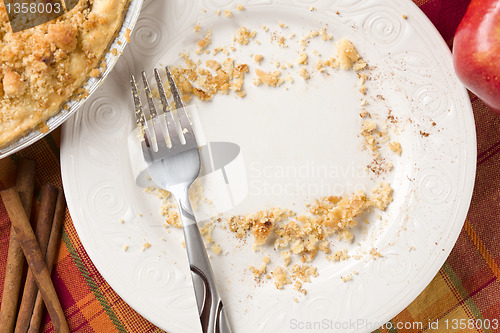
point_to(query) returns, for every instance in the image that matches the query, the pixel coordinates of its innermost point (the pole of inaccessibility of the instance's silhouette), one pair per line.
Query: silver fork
(174, 167)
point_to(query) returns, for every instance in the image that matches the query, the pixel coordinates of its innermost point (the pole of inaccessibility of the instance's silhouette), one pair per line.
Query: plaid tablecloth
(466, 288)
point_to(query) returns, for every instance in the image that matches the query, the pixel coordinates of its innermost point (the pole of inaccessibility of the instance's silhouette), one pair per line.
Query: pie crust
(42, 67)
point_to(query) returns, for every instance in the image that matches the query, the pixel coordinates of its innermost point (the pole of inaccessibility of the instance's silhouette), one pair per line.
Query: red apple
(476, 51)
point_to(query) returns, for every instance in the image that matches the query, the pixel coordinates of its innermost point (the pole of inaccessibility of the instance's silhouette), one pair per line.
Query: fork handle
(210, 308)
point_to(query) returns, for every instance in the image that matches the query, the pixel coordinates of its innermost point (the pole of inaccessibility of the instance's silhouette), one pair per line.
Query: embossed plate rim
(385, 311)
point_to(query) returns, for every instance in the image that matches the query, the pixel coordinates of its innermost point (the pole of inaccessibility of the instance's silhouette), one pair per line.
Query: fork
(174, 166)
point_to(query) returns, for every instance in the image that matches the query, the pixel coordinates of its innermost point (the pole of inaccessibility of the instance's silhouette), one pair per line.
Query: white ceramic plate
(90, 85)
(297, 142)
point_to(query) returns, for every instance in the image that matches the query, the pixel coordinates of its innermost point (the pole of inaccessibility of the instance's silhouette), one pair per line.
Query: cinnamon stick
(43, 226)
(29, 244)
(50, 259)
(25, 185)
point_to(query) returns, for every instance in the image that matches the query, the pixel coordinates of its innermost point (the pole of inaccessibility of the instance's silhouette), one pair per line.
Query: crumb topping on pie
(42, 67)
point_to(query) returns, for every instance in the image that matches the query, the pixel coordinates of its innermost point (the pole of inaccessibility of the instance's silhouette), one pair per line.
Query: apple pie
(42, 67)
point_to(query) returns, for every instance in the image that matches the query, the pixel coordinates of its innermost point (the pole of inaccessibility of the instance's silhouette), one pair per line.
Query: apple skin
(476, 51)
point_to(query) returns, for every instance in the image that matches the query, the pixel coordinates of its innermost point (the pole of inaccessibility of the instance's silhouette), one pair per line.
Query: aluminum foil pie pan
(73, 104)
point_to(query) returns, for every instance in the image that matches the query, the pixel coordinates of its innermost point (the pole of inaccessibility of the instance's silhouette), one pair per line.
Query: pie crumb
(145, 246)
(243, 35)
(43, 127)
(127, 35)
(395, 147)
(302, 59)
(304, 73)
(95, 72)
(271, 79)
(204, 43)
(216, 249)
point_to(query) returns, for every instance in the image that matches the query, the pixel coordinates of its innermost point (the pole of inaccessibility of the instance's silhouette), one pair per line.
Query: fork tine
(186, 128)
(139, 114)
(169, 119)
(149, 96)
(137, 102)
(173, 88)
(157, 131)
(161, 90)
